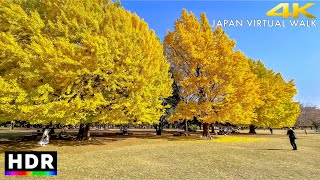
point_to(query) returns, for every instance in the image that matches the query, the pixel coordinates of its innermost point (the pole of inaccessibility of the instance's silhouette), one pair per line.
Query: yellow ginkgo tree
(278, 108)
(80, 61)
(215, 83)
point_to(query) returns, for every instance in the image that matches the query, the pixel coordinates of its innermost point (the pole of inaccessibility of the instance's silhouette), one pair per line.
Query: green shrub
(193, 128)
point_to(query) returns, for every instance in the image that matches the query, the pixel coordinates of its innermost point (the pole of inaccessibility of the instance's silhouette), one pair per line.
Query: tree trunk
(159, 132)
(185, 125)
(83, 133)
(252, 129)
(206, 132)
(212, 128)
(158, 129)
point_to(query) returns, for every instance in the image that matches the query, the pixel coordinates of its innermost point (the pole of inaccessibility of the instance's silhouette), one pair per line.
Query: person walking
(271, 130)
(292, 138)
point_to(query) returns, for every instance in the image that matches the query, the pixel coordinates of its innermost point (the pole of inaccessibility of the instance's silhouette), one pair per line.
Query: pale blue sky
(294, 52)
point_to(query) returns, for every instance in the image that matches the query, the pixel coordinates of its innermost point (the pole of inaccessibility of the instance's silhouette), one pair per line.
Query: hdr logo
(32, 163)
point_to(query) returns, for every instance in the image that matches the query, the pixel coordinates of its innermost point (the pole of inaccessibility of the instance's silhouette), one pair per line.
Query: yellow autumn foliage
(215, 83)
(79, 61)
(278, 108)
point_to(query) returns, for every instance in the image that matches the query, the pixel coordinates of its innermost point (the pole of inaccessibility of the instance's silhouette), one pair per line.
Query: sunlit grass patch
(237, 139)
(225, 139)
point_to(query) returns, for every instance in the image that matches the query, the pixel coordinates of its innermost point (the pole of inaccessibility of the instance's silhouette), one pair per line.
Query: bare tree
(309, 116)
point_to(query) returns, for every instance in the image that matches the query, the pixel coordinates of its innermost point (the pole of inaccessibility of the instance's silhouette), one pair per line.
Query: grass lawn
(241, 156)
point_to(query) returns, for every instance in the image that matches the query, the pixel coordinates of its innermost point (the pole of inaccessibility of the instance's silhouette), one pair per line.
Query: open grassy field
(241, 156)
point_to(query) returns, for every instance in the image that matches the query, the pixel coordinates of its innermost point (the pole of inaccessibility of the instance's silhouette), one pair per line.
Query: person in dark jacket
(271, 130)
(292, 138)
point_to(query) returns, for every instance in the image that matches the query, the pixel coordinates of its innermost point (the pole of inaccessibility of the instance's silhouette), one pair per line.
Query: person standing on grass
(292, 138)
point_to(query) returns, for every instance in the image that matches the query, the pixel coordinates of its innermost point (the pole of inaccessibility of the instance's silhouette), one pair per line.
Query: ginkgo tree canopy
(278, 108)
(79, 61)
(215, 82)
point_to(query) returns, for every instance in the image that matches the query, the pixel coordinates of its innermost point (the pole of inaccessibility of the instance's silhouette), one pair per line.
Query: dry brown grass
(240, 156)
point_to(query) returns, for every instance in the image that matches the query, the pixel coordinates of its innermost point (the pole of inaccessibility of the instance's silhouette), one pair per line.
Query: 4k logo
(296, 10)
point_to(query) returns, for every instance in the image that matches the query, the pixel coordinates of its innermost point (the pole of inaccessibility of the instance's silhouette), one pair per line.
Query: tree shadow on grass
(17, 146)
(149, 136)
(30, 145)
(12, 140)
(10, 144)
(94, 141)
(97, 138)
